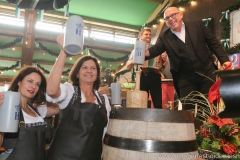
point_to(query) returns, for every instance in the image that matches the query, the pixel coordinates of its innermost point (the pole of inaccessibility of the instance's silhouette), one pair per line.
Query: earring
(77, 77)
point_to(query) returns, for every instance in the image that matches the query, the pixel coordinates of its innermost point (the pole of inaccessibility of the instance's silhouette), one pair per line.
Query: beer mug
(116, 93)
(10, 112)
(139, 52)
(73, 39)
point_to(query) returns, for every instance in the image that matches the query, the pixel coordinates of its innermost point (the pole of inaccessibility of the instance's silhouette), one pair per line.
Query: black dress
(80, 130)
(30, 142)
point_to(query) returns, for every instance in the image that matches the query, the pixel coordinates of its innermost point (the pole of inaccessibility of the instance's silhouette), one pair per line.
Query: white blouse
(67, 91)
(42, 110)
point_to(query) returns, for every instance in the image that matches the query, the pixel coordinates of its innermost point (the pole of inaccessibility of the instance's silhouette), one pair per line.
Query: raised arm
(54, 80)
(129, 63)
(52, 109)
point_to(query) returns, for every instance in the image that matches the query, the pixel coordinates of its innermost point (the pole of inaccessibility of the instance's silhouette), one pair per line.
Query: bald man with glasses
(186, 44)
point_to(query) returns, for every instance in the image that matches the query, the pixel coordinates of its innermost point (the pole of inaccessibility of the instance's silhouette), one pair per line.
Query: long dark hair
(76, 67)
(40, 97)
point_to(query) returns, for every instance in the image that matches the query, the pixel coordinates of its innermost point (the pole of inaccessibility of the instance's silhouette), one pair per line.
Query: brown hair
(40, 97)
(144, 29)
(76, 67)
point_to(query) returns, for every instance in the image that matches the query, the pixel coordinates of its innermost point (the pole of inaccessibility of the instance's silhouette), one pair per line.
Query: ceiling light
(49, 27)
(181, 9)
(124, 39)
(12, 21)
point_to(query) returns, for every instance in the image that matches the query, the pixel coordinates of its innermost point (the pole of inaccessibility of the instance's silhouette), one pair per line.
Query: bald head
(173, 18)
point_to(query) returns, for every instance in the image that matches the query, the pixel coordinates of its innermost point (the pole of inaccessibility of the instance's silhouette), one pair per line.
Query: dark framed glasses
(171, 16)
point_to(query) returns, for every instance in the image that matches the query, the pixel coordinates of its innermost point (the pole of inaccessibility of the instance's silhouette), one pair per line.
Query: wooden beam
(4, 79)
(28, 37)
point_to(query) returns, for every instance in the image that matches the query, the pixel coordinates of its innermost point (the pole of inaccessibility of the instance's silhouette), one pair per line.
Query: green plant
(221, 136)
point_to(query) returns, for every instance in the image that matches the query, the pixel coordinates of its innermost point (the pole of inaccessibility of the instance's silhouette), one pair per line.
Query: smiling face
(146, 36)
(88, 72)
(29, 86)
(173, 18)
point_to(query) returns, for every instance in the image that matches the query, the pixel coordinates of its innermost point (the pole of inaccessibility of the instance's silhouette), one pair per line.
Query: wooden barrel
(150, 134)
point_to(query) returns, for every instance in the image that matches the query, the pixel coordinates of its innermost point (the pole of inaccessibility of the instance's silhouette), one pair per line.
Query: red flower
(220, 122)
(229, 148)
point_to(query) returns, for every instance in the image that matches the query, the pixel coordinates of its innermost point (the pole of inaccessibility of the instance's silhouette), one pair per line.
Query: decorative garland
(208, 22)
(47, 71)
(39, 4)
(124, 58)
(10, 44)
(160, 15)
(11, 67)
(39, 66)
(226, 27)
(66, 72)
(42, 47)
(45, 48)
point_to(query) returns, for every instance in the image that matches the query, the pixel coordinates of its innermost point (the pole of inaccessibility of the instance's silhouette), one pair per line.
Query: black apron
(80, 131)
(31, 141)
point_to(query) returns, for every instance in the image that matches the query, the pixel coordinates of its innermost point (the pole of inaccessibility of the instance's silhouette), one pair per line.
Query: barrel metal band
(151, 115)
(150, 145)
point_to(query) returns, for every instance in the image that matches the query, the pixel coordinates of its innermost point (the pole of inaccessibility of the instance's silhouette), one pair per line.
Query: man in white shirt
(150, 80)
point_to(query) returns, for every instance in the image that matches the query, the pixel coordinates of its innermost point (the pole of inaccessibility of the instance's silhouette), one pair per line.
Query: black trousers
(194, 82)
(151, 83)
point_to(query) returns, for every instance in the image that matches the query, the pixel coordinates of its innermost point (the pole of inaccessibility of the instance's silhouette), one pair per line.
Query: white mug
(10, 112)
(74, 39)
(116, 93)
(139, 52)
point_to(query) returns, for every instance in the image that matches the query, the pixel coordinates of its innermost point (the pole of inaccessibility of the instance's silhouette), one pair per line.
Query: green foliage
(216, 145)
(236, 120)
(234, 49)
(211, 137)
(11, 67)
(206, 144)
(234, 140)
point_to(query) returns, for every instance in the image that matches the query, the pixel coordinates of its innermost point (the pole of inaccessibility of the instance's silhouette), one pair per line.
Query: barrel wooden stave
(111, 153)
(150, 134)
(151, 130)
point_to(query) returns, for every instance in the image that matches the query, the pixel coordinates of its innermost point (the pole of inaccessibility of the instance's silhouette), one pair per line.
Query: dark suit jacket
(200, 36)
